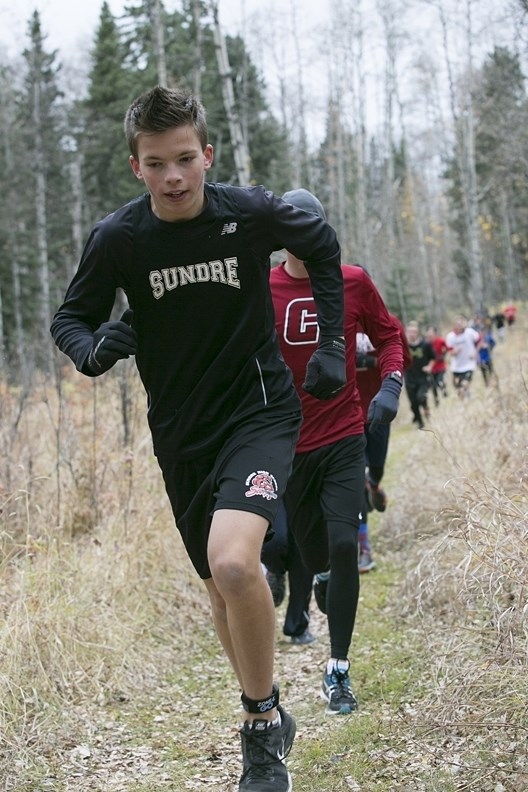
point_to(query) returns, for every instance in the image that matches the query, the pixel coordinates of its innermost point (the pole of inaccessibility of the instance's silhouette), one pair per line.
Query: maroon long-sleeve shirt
(298, 332)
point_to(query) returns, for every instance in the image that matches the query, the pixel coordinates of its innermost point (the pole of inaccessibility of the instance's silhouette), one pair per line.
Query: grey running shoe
(366, 562)
(264, 750)
(305, 637)
(277, 584)
(337, 692)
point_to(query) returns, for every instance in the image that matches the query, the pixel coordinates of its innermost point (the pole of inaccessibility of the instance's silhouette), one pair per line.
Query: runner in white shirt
(462, 343)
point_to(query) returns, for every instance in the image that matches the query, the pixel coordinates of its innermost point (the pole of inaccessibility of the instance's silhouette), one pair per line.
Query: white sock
(340, 665)
(277, 721)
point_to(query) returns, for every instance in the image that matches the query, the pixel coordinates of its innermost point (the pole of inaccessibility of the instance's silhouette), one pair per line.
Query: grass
(111, 677)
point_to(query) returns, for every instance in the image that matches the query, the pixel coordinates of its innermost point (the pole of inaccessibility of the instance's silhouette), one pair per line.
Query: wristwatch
(395, 375)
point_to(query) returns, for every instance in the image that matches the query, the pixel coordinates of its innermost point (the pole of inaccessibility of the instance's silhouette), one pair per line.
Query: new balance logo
(229, 228)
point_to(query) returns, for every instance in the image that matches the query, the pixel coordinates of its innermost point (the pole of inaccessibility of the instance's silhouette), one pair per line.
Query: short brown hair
(163, 108)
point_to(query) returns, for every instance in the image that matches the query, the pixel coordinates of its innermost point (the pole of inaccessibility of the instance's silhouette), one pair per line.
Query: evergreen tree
(400, 294)
(502, 147)
(334, 177)
(11, 208)
(266, 140)
(140, 45)
(44, 237)
(457, 222)
(107, 178)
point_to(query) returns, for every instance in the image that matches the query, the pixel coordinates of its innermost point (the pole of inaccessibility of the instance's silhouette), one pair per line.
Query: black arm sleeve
(327, 288)
(88, 301)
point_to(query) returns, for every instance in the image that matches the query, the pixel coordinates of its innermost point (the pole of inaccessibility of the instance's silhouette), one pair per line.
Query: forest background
(417, 146)
(415, 139)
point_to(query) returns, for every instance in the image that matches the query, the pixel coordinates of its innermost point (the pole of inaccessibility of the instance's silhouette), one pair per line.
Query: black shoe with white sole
(264, 750)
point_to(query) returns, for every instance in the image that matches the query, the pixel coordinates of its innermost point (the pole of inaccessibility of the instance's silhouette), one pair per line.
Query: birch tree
(42, 129)
(240, 149)
(301, 172)
(465, 154)
(13, 334)
(112, 85)
(156, 15)
(501, 152)
(198, 56)
(387, 198)
(359, 105)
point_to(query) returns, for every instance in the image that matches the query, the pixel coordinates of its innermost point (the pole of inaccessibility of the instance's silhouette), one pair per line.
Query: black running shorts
(459, 377)
(248, 473)
(326, 490)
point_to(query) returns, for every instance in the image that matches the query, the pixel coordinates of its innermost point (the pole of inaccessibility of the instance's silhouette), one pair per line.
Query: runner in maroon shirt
(325, 493)
(439, 367)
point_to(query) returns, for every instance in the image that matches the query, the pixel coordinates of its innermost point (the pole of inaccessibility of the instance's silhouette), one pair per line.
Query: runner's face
(412, 334)
(172, 164)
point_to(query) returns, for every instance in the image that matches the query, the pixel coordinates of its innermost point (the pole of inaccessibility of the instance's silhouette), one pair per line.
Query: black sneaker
(277, 584)
(337, 692)
(264, 750)
(320, 587)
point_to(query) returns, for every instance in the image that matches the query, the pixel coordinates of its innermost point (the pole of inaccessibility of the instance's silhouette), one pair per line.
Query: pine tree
(501, 142)
(501, 148)
(107, 178)
(45, 237)
(266, 140)
(12, 337)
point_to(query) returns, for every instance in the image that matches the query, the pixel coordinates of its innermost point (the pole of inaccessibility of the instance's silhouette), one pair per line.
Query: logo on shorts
(262, 483)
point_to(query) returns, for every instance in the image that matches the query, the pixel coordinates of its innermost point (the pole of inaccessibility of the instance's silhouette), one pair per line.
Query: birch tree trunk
(77, 206)
(512, 284)
(360, 136)
(465, 155)
(387, 201)
(301, 175)
(240, 150)
(470, 178)
(416, 226)
(338, 143)
(198, 38)
(41, 223)
(161, 62)
(14, 255)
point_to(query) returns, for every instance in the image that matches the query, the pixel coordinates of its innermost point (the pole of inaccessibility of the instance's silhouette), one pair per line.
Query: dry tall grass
(89, 557)
(461, 508)
(92, 571)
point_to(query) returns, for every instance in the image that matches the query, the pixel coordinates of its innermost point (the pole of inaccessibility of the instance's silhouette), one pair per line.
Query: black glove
(112, 341)
(384, 406)
(364, 361)
(326, 369)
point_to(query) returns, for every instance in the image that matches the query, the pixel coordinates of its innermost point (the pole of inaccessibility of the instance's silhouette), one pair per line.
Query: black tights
(343, 588)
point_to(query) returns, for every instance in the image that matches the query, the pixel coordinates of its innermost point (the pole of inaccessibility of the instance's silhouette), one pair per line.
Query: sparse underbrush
(461, 511)
(90, 558)
(102, 614)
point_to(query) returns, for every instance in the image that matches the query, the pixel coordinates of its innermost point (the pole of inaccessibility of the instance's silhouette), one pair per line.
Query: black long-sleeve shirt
(421, 353)
(207, 352)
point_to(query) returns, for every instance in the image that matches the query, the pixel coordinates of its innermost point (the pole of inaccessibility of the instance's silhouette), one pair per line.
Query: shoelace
(341, 683)
(260, 756)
